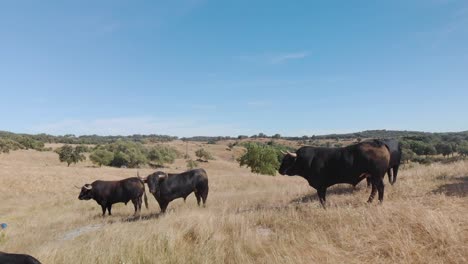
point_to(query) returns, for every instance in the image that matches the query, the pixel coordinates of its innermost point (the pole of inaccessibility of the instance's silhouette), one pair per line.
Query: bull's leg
(140, 202)
(135, 205)
(390, 176)
(197, 195)
(163, 206)
(321, 194)
(380, 188)
(372, 195)
(109, 208)
(368, 182)
(395, 173)
(204, 195)
(103, 210)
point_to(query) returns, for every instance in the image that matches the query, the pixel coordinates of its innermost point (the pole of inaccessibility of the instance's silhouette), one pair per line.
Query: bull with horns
(107, 193)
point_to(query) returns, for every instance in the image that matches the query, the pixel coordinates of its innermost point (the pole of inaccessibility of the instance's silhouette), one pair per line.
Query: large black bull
(9, 258)
(167, 187)
(324, 167)
(107, 193)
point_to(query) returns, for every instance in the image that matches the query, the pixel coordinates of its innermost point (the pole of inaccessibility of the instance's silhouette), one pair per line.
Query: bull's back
(120, 191)
(375, 154)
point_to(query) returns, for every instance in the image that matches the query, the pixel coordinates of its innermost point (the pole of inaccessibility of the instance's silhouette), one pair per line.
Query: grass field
(248, 219)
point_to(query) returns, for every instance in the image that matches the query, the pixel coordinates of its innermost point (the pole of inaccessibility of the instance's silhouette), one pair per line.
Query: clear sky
(195, 67)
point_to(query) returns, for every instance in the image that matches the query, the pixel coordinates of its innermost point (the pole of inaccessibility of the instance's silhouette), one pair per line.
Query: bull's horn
(76, 186)
(282, 152)
(88, 187)
(163, 176)
(294, 155)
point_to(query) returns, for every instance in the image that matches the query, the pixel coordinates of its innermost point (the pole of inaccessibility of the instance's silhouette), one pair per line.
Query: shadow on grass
(143, 217)
(337, 189)
(457, 188)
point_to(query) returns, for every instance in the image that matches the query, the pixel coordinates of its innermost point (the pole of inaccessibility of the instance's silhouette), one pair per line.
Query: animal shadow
(458, 188)
(143, 218)
(339, 189)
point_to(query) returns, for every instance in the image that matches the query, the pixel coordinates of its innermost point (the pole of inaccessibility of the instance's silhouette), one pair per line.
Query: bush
(7, 144)
(127, 153)
(161, 155)
(191, 164)
(203, 155)
(70, 155)
(101, 157)
(407, 155)
(260, 158)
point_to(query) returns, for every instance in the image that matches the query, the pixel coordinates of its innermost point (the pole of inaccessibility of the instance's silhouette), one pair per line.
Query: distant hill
(96, 139)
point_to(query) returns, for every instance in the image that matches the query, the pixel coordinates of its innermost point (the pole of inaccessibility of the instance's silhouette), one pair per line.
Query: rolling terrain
(249, 218)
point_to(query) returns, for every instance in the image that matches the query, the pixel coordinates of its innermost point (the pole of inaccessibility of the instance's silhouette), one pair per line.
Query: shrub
(191, 164)
(7, 144)
(161, 155)
(127, 153)
(203, 155)
(260, 158)
(101, 157)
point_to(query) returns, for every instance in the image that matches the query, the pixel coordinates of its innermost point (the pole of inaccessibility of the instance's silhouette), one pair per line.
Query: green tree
(276, 136)
(203, 155)
(422, 148)
(463, 150)
(444, 148)
(261, 159)
(101, 157)
(70, 155)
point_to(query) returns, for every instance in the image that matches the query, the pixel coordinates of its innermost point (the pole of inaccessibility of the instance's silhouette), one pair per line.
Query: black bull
(324, 167)
(167, 187)
(107, 193)
(8, 258)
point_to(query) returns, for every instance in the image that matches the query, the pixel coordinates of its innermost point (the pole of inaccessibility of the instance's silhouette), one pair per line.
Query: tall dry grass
(248, 219)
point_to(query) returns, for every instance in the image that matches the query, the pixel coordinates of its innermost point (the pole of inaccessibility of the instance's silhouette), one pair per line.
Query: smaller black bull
(8, 258)
(107, 193)
(324, 167)
(167, 187)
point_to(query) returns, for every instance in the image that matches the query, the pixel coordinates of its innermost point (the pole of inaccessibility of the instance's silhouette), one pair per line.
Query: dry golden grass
(248, 219)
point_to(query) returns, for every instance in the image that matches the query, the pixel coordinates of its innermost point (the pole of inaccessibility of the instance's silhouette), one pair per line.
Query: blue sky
(194, 67)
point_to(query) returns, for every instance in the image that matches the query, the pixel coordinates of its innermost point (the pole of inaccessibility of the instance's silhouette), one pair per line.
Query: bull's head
(154, 180)
(288, 163)
(86, 192)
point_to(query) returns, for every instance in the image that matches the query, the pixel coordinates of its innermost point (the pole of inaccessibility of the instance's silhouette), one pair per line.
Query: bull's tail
(146, 199)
